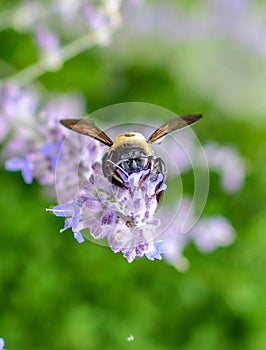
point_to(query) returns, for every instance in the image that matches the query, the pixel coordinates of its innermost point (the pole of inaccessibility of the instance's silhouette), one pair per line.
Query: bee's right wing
(87, 127)
(173, 125)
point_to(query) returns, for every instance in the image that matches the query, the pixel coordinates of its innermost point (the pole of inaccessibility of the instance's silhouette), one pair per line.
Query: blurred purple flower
(207, 233)
(213, 232)
(173, 236)
(125, 216)
(228, 163)
(63, 21)
(2, 344)
(180, 152)
(48, 44)
(16, 164)
(46, 40)
(95, 18)
(38, 145)
(17, 110)
(135, 3)
(68, 11)
(184, 153)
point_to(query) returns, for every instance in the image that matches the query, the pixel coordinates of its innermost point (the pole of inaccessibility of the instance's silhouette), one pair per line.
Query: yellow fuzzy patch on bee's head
(132, 139)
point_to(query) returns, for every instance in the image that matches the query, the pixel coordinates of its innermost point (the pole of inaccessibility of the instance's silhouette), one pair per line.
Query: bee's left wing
(172, 125)
(87, 127)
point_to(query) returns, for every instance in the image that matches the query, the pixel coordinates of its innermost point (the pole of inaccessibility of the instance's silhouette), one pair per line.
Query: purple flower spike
(125, 216)
(39, 146)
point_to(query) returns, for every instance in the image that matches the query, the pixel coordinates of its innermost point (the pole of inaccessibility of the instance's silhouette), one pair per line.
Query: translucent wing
(172, 125)
(87, 127)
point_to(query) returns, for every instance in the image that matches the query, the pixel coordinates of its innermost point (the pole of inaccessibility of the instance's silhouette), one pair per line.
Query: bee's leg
(158, 166)
(118, 179)
(159, 197)
(110, 172)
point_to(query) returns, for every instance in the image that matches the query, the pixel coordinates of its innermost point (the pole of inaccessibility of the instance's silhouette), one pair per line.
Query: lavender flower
(125, 216)
(173, 236)
(49, 46)
(227, 162)
(38, 145)
(17, 110)
(94, 18)
(23, 165)
(64, 21)
(181, 152)
(185, 152)
(40, 148)
(212, 232)
(61, 14)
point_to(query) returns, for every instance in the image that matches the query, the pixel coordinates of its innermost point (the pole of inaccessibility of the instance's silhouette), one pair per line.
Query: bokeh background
(189, 56)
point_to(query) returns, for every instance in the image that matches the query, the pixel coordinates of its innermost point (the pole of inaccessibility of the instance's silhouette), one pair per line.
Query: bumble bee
(130, 152)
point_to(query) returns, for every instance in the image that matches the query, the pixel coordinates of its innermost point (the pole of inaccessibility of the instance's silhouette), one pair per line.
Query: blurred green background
(56, 294)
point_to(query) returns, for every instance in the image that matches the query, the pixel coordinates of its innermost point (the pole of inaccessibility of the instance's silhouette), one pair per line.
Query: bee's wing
(87, 127)
(172, 125)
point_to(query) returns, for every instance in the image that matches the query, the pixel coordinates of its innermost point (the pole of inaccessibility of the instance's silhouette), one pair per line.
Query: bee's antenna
(117, 166)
